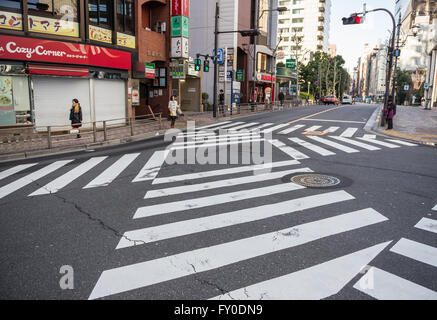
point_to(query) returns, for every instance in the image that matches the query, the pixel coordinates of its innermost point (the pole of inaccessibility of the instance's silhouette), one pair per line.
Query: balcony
(321, 19)
(322, 1)
(320, 38)
(319, 47)
(321, 28)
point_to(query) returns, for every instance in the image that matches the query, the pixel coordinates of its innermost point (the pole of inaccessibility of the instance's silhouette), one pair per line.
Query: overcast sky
(351, 38)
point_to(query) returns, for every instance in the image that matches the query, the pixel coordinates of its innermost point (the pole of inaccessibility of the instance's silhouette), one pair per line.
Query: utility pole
(335, 76)
(214, 110)
(320, 85)
(255, 55)
(395, 71)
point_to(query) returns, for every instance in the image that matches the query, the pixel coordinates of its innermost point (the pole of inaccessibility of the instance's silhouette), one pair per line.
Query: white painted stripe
(220, 184)
(229, 125)
(250, 124)
(212, 135)
(381, 143)
(191, 226)
(67, 178)
(427, 225)
(212, 144)
(147, 273)
(24, 181)
(169, 207)
(151, 168)
(349, 132)
(293, 128)
(387, 286)
(107, 176)
(216, 139)
(314, 283)
(214, 125)
(195, 134)
(405, 143)
(279, 126)
(369, 136)
(297, 155)
(434, 208)
(357, 143)
(417, 251)
(333, 144)
(9, 172)
(342, 121)
(213, 173)
(261, 126)
(332, 129)
(312, 147)
(313, 128)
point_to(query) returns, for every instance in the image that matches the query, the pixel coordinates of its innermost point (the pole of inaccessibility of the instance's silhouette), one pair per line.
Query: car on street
(330, 100)
(347, 99)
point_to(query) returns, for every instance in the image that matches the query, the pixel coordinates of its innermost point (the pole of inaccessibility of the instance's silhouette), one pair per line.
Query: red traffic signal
(354, 19)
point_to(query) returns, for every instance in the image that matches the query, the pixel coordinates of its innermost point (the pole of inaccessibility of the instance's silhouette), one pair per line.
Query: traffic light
(197, 64)
(206, 65)
(353, 19)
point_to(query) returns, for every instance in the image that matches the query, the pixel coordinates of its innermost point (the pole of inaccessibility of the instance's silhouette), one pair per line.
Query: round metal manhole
(315, 180)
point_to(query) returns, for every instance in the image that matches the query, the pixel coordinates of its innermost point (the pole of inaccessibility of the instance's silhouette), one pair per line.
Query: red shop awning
(57, 70)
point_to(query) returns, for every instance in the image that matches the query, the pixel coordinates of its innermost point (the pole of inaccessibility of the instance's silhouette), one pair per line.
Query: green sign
(239, 76)
(291, 63)
(150, 70)
(179, 26)
(177, 69)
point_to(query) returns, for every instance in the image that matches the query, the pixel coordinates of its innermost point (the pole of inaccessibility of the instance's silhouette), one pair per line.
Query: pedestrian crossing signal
(197, 64)
(206, 65)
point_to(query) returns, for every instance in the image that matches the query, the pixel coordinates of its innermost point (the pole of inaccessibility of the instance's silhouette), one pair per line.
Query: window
(10, 5)
(125, 16)
(299, 29)
(297, 11)
(100, 12)
(160, 78)
(53, 8)
(284, 30)
(297, 20)
(297, 1)
(283, 3)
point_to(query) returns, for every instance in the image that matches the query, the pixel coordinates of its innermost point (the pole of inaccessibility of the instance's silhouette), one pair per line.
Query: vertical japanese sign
(150, 70)
(180, 8)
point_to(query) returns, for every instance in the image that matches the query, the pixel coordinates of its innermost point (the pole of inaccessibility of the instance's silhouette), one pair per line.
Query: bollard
(131, 122)
(94, 131)
(105, 134)
(49, 137)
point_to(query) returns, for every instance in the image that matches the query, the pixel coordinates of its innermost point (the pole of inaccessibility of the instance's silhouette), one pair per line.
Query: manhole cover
(315, 180)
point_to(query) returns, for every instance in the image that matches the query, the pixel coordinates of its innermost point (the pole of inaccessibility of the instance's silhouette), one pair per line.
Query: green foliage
(403, 78)
(303, 95)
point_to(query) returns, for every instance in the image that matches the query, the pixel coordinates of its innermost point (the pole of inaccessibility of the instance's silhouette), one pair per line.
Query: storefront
(264, 90)
(39, 79)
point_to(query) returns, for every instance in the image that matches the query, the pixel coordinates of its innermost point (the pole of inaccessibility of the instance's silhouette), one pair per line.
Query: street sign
(316, 83)
(397, 52)
(290, 63)
(220, 55)
(426, 85)
(229, 75)
(406, 87)
(239, 76)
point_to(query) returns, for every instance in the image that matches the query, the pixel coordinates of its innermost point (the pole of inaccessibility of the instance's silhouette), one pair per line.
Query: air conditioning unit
(163, 27)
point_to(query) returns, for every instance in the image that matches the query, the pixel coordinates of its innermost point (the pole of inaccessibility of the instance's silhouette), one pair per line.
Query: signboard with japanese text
(177, 69)
(150, 70)
(126, 40)
(239, 76)
(31, 49)
(100, 34)
(179, 47)
(11, 21)
(58, 27)
(180, 8)
(179, 26)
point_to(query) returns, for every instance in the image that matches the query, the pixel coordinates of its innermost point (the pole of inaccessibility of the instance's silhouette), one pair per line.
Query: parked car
(347, 99)
(330, 100)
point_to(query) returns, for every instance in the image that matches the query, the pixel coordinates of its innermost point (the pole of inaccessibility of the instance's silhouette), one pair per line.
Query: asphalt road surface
(342, 214)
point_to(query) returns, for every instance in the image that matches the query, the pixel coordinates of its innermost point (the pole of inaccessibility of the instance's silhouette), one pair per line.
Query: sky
(350, 39)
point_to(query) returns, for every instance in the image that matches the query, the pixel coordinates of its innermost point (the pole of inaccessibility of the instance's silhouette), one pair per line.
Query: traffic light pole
(214, 110)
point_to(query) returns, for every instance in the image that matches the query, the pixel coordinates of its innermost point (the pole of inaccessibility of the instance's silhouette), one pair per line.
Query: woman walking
(172, 110)
(76, 116)
(390, 112)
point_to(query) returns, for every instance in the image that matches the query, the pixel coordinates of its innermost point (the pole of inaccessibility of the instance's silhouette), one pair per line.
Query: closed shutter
(53, 96)
(110, 100)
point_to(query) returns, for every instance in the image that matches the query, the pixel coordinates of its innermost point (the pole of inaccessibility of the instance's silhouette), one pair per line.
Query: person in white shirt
(172, 110)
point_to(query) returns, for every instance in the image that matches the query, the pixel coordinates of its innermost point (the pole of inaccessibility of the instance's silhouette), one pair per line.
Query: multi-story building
(377, 73)
(332, 50)
(309, 21)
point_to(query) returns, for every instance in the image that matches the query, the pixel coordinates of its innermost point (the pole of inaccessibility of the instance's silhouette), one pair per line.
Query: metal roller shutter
(110, 100)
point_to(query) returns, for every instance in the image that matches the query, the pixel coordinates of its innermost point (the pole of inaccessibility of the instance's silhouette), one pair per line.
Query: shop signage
(264, 77)
(179, 26)
(30, 49)
(180, 8)
(60, 27)
(10, 20)
(150, 70)
(179, 47)
(100, 34)
(177, 69)
(239, 76)
(191, 70)
(126, 40)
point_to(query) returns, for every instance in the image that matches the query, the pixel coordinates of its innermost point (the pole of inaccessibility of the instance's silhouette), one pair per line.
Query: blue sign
(220, 56)
(426, 85)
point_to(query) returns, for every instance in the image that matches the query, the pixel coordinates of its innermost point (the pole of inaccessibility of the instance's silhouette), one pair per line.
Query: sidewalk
(413, 123)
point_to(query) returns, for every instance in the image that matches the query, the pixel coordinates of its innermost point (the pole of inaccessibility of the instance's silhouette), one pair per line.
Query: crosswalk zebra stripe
(143, 274)
(434, 208)
(369, 136)
(427, 225)
(417, 251)
(313, 128)
(28, 179)
(332, 129)
(279, 126)
(314, 283)
(356, 143)
(218, 143)
(64, 180)
(250, 124)
(229, 125)
(196, 203)
(333, 144)
(220, 184)
(383, 285)
(112, 172)
(152, 167)
(297, 155)
(312, 147)
(181, 228)
(216, 139)
(293, 128)
(9, 172)
(214, 125)
(402, 142)
(198, 175)
(194, 134)
(261, 126)
(212, 135)
(349, 132)
(381, 143)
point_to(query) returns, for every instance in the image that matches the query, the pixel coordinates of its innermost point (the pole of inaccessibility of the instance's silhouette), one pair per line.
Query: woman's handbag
(179, 111)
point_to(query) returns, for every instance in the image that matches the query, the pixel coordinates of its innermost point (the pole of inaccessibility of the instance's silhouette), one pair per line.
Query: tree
(403, 78)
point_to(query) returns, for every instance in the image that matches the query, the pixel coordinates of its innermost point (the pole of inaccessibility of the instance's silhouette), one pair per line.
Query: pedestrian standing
(172, 110)
(390, 112)
(76, 116)
(281, 98)
(222, 102)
